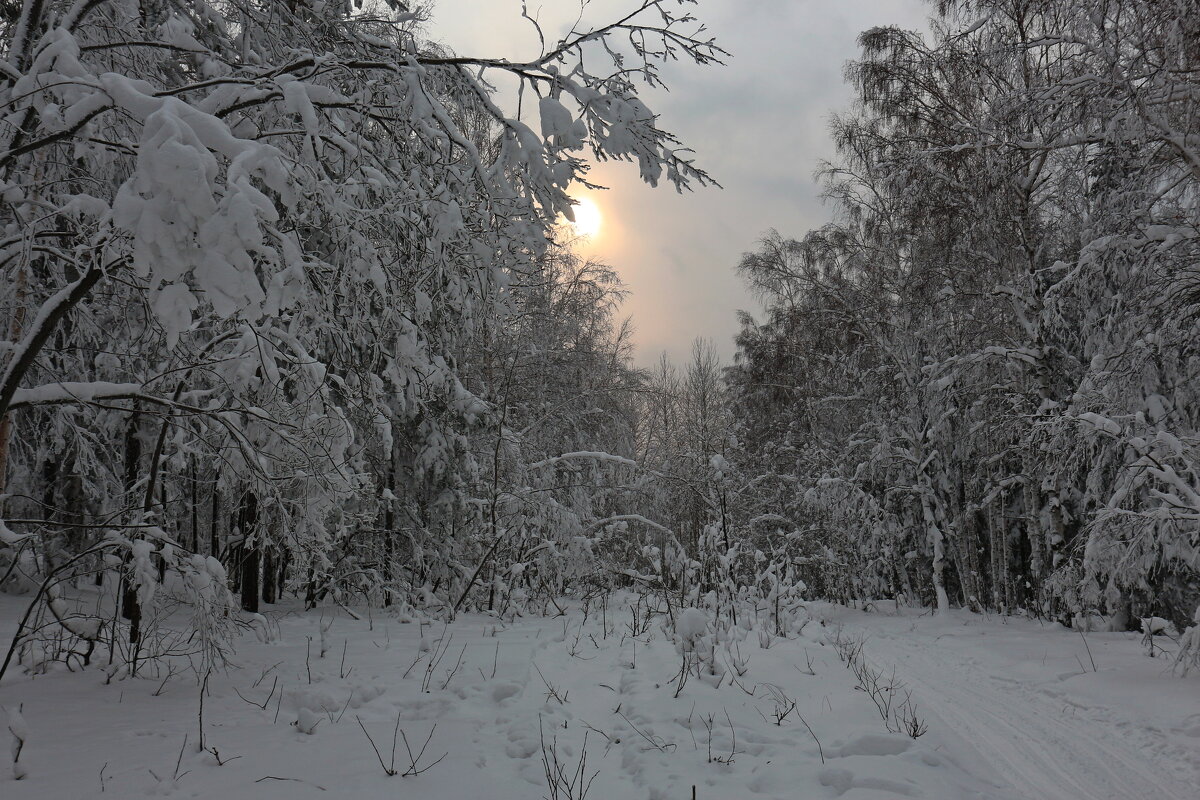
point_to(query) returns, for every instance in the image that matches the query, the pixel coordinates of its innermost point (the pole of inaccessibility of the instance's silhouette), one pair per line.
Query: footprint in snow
(503, 691)
(520, 747)
(843, 780)
(875, 744)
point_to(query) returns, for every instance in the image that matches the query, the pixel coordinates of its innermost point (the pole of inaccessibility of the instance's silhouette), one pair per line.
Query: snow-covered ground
(1013, 710)
(1024, 699)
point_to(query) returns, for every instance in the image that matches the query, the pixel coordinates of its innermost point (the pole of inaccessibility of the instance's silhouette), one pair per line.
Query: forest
(294, 317)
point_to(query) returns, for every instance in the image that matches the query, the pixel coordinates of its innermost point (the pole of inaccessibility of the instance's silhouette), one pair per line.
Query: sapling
(440, 647)
(564, 782)
(20, 734)
(450, 673)
(176, 774)
(204, 746)
(262, 676)
(324, 630)
(661, 746)
(1151, 627)
(740, 664)
(733, 751)
(414, 767)
(308, 658)
(263, 704)
(162, 686)
(1189, 646)
(784, 705)
(551, 690)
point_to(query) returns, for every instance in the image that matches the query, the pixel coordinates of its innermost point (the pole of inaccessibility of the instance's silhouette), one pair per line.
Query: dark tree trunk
(310, 591)
(130, 609)
(214, 534)
(49, 479)
(251, 551)
(285, 561)
(268, 576)
(162, 562)
(195, 504)
(389, 535)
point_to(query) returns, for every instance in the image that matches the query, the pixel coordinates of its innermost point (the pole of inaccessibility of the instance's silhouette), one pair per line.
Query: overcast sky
(758, 125)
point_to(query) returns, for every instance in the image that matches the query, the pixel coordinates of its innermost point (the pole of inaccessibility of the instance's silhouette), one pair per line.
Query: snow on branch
(74, 392)
(585, 455)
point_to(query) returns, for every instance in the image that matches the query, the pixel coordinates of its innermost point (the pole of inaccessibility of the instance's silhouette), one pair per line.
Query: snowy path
(1040, 721)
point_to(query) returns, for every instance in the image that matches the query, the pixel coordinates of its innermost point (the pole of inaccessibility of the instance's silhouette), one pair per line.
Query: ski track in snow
(1045, 746)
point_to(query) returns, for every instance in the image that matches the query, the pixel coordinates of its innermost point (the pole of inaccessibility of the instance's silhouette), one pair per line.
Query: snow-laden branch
(49, 315)
(649, 523)
(65, 392)
(585, 455)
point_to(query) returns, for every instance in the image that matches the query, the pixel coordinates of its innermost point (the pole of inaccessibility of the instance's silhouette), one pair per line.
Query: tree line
(979, 383)
(289, 309)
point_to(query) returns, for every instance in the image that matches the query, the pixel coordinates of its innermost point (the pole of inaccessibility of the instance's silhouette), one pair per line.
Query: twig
(820, 750)
(390, 770)
(296, 780)
(263, 704)
(1089, 651)
(662, 748)
(413, 769)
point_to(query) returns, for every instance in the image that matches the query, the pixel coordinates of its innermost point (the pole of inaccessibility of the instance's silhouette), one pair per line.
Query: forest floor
(1012, 709)
(1050, 712)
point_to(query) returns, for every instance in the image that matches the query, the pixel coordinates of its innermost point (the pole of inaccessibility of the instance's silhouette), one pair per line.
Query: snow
(331, 252)
(1155, 626)
(18, 731)
(1027, 707)
(10, 537)
(585, 455)
(45, 313)
(74, 392)
(1101, 423)
(557, 121)
(1011, 712)
(692, 624)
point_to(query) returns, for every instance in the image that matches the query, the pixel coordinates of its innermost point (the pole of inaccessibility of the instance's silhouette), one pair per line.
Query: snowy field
(1004, 708)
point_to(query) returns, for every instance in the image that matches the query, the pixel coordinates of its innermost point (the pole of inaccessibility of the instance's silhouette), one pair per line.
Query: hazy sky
(758, 125)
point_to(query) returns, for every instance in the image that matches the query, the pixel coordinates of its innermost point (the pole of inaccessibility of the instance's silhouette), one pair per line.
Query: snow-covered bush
(1188, 656)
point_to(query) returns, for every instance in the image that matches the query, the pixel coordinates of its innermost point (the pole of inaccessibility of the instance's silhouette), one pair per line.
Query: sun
(587, 218)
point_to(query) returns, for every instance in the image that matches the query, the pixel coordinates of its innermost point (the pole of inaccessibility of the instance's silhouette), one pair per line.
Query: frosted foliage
(265, 258)
(976, 384)
(691, 624)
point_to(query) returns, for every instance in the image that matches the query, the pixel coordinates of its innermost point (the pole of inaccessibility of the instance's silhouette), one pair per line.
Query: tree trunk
(250, 550)
(937, 539)
(14, 331)
(268, 576)
(130, 609)
(195, 504)
(214, 533)
(310, 590)
(281, 576)
(389, 534)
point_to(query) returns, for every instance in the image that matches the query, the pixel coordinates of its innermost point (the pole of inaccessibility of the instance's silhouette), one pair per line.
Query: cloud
(759, 125)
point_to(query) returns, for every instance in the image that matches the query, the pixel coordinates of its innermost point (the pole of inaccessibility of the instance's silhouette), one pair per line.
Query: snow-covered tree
(250, 249)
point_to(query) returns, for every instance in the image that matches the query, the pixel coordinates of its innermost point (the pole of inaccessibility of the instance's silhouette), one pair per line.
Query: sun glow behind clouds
(587, 218)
